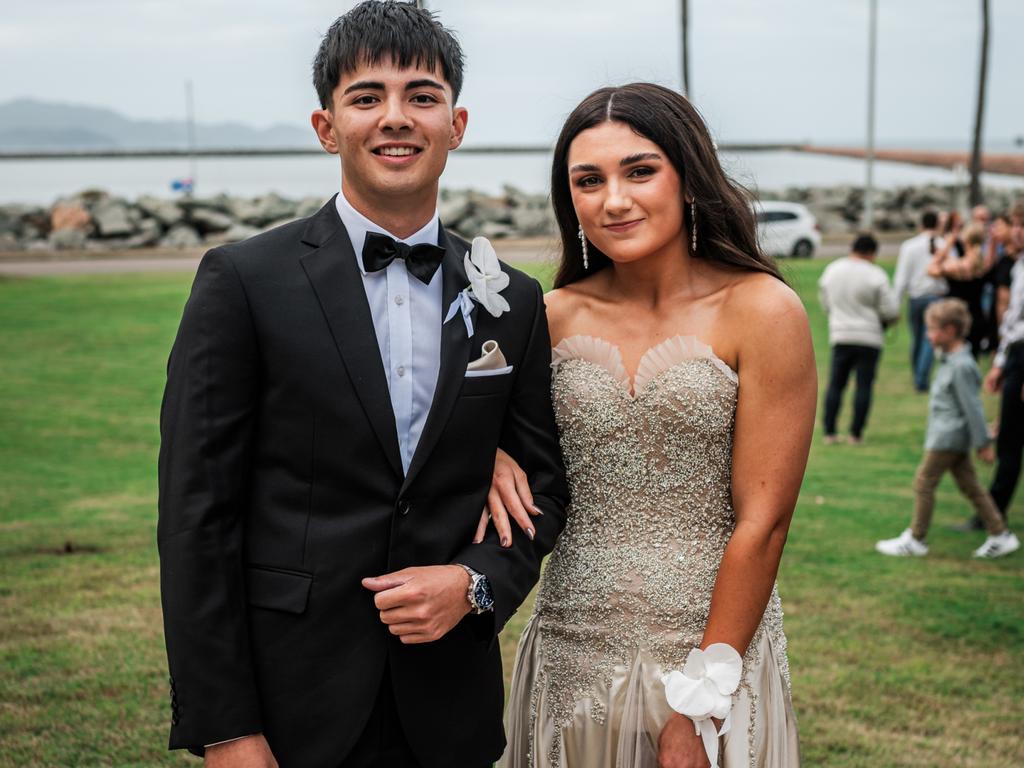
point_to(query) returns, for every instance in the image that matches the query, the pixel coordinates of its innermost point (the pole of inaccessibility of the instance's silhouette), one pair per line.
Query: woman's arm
(510, 495)
(1002, 302)
(774, 423)
(965, 268)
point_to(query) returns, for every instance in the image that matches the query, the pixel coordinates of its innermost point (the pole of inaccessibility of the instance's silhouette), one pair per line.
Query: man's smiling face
(393, 128)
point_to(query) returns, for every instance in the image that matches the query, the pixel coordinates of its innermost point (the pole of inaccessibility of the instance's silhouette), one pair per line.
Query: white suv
(786, 229)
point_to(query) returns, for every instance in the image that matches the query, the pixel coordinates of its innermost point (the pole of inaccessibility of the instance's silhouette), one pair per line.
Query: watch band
(474, 580)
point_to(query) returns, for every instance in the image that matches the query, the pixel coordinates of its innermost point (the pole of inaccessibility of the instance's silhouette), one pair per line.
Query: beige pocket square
(490, 363)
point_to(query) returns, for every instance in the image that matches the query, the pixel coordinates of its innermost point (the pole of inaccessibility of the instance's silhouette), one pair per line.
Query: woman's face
(626, 193)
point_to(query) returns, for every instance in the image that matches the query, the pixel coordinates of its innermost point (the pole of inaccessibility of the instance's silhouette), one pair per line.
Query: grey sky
(761, 70)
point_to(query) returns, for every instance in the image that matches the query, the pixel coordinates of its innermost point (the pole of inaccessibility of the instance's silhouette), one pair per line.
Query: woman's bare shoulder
(561, 305)
(755, 297)
(567, 305)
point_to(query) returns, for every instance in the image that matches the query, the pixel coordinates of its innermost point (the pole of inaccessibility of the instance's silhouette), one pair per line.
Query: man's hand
(679, 746)
(987, 454)
(421, 605)
(994, 380)
(248, 752)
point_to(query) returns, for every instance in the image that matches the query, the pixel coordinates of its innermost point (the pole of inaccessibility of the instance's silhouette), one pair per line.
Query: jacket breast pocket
(487, 383)
(277, 589)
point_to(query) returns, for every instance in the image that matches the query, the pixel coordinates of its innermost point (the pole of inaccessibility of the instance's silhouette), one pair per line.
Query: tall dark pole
(975, 194)
(869, 154)
(190, 127)
(686, 47)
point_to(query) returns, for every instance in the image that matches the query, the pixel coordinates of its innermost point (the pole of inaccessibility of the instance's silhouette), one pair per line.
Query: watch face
(482, 594)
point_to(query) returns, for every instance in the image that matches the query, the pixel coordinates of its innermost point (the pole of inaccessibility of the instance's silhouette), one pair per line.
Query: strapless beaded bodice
(649, 473)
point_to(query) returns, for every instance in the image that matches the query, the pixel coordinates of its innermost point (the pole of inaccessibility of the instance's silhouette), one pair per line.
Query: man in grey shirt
(912, 278)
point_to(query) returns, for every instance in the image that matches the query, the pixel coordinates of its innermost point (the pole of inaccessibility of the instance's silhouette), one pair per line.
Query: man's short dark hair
(929, 220)
(375, 31)
(865, 244)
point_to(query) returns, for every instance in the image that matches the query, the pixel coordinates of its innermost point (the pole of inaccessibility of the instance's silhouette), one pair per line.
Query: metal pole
(869, 181)
(976, 195)
(190, 125)
(686, 47)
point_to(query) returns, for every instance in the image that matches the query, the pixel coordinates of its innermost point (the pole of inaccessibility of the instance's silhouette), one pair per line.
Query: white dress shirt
(1011, 330)
(912, 275)
(407, 321)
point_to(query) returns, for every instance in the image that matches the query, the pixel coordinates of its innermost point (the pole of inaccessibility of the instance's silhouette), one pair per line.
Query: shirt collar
(964, 351)
(358, 225)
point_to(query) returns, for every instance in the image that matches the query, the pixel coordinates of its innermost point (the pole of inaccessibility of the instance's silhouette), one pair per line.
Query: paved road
(531, 252)
(96, 266)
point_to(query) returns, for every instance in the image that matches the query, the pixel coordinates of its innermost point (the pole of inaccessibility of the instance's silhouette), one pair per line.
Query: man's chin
(401, 185)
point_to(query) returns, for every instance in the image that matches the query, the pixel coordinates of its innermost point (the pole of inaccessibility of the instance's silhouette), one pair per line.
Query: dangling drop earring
(583, 245)
(693, 218)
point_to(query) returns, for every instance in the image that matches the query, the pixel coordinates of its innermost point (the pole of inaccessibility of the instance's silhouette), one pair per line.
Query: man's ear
(323, 123)
(460, 116)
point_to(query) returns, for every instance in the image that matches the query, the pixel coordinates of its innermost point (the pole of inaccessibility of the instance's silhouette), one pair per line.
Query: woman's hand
(509, 496)
(679, 746)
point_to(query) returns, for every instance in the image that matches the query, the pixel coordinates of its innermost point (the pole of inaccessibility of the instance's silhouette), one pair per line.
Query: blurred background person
(982, 216)
(1000, 256)
(856, 295)
(1007, 376)
(956, 425)
(922, 289)
(960, 260)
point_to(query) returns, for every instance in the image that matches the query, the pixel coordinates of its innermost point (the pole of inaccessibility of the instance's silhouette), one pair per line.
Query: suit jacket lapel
(455, 344)
(338, 285)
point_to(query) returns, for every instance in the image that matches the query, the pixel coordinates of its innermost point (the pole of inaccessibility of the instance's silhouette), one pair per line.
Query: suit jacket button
(403, 507)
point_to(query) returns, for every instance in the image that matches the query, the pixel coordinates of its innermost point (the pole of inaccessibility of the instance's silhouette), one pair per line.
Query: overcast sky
(760, 70)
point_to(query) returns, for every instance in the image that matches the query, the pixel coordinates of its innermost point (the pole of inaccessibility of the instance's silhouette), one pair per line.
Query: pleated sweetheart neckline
(654, 362)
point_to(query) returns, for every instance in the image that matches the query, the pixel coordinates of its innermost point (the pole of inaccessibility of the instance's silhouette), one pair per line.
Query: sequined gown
(627, 591)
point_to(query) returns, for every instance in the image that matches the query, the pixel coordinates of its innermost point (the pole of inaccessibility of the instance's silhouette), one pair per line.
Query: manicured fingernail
(529, 532)
(477, 541)
(505, 542)
(538, 510)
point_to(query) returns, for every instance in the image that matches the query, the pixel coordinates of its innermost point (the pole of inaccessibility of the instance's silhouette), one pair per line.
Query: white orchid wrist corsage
(486, 282)
(704, 689)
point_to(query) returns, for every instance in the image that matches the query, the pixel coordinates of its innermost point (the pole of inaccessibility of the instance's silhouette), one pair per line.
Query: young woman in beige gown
(684, 387)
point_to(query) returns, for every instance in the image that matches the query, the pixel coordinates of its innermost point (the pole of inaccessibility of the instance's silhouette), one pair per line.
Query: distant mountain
(27, 124)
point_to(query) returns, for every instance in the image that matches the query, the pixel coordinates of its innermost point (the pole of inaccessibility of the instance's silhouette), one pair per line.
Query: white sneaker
(999, 545)
(905, 545)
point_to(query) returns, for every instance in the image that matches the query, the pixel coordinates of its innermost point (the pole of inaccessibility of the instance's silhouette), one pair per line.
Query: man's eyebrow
(640, 156)
(373, 85)
(424, 83)
(365, 85)
(584, 167)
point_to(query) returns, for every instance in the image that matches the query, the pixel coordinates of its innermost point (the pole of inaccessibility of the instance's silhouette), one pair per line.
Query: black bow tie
(421, 260)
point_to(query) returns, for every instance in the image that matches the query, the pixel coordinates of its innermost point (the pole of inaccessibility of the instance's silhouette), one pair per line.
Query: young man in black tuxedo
(328, 436)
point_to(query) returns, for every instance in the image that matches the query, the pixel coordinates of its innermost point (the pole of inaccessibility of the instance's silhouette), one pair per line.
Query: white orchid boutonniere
(486, 282)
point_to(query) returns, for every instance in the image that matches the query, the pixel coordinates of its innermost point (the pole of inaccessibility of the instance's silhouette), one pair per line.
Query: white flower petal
(688, 696)
(694, 666)
(486, 278)
(724, 666)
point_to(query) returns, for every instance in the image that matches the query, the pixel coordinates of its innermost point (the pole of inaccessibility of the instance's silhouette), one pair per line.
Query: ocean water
(41, 182)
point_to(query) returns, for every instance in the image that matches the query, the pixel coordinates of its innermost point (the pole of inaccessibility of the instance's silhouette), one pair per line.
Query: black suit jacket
(281, 487)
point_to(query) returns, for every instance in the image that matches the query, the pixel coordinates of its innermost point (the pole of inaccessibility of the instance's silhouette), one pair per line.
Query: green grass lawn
(895, 663)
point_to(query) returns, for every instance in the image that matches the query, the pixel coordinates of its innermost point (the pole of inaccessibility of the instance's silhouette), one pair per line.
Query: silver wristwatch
(479, 594)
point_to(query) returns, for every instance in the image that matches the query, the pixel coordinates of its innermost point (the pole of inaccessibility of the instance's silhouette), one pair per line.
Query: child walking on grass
(956, 424)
